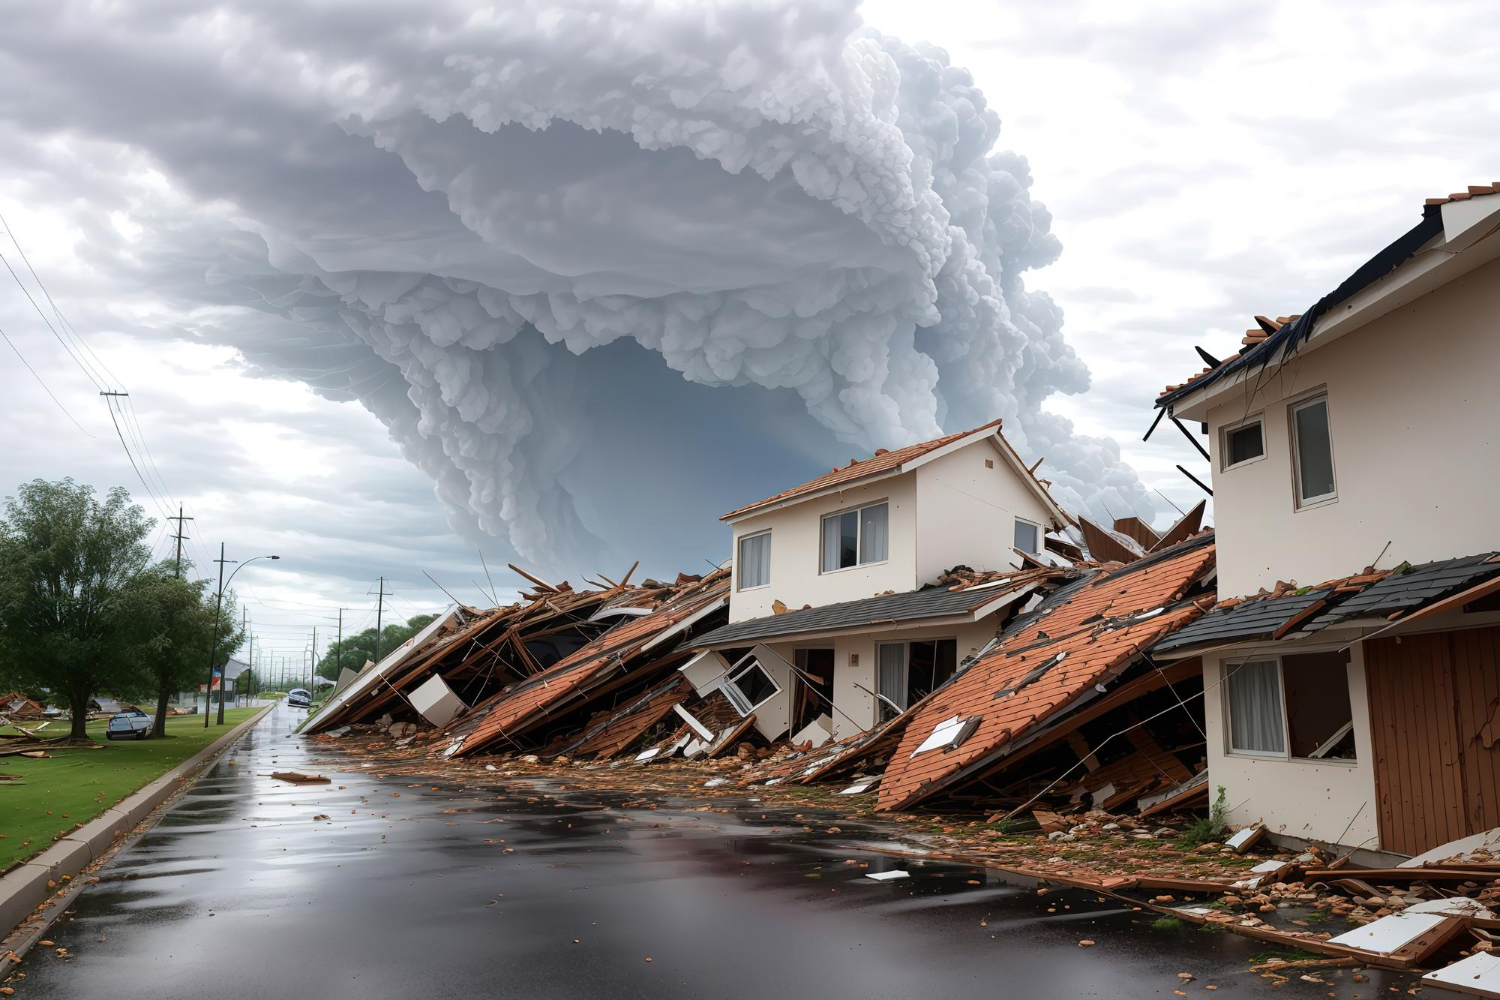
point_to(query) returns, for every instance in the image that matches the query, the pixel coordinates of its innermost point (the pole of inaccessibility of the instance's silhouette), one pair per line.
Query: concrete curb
(28, 886)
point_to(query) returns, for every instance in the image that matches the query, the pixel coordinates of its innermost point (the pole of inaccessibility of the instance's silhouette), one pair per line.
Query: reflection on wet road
(370, 887)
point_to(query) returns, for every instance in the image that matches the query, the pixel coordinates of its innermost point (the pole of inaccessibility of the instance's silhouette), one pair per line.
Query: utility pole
(218, 603)
(249, 650)
(379, 609)
(312, 683)
(338, 650)
(181, 537)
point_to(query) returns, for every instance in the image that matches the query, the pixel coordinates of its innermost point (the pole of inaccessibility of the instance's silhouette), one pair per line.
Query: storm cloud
(528, 238)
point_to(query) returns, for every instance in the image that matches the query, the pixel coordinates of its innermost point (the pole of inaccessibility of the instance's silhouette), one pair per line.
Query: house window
(750, 686)
(910, 671)
(856, 537)
(1296, 707)
(1027, 536)
(755, 560)
(1312, 451)
(1244, 443)
(1319, 719)
(1257, 721)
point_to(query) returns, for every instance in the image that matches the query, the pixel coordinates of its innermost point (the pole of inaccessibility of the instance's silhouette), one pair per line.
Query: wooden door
(1435, 729)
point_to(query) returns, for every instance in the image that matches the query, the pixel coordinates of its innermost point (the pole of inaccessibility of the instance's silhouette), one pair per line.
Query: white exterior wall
(1415, 424)
(853, 683)
(966, 512)
(796, 551)
(1332, 801)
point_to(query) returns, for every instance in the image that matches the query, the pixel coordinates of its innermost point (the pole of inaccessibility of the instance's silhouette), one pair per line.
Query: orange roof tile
(1098, 629)
(881, 461)
(522, 707)
(1475, 191)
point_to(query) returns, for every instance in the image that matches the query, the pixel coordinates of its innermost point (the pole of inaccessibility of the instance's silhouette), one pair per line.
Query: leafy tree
(174, 623)
(356, 649)
(67, 561)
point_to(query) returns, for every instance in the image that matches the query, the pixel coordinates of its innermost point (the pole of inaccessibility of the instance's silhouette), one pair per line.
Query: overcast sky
(1200, 163)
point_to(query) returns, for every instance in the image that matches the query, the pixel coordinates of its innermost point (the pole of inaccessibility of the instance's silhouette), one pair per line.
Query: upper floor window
(1244, 443)
(1312, 451)
(1027, 537)
(856, 537)
(754, 562)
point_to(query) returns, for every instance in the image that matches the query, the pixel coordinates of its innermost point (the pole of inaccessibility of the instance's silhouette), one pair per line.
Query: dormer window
(856, 537)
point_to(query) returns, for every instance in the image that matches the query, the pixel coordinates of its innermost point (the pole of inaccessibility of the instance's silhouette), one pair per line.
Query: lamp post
(218, 604)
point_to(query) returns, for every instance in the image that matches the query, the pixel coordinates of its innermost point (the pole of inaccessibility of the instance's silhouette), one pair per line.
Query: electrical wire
(41, 383)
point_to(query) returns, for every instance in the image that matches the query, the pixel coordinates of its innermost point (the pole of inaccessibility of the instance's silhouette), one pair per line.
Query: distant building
(837, 620)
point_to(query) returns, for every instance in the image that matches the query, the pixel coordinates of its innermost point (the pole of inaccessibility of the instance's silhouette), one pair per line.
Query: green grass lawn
(76, 784)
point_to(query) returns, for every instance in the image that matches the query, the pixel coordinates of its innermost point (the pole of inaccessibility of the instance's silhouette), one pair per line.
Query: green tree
(356, 649)
(174, 623)
(67, 561)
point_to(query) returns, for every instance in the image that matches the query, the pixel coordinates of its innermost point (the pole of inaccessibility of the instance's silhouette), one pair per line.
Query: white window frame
(1286, 720)
(859, 535)
(732, 690)
(1299, 502)
(1227, 667)
(739, 564)
(1041, 542)
(1224, 464)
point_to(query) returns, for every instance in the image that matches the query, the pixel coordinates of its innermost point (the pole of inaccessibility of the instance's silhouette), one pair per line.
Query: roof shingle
(1081, 636)
(881, 461)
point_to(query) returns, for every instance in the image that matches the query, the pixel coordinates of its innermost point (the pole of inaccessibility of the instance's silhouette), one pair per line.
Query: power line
(164, 512)
(63, 320)
(39, 381)
(82, 366)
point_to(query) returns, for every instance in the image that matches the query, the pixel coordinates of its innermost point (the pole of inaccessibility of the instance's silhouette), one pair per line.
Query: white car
(132, 724)
(299, 697)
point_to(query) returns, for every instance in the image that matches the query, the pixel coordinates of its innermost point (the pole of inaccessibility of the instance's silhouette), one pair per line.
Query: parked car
(131, 724)
(299, 697)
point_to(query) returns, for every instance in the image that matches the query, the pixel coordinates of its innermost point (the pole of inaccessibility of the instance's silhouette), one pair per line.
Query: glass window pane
(830, 542)
(1255, 716)
(848, 538)
(873, 533)
(1314, 450)
(1246, 443)
(1026, 536)
(891, 681)
(755, 561)
(755, 684)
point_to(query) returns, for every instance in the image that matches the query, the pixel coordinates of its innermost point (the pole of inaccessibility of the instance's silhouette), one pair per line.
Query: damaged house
(857, 594)
(1352, 668)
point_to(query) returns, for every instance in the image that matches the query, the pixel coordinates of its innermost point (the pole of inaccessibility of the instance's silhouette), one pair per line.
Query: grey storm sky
(1200, 164)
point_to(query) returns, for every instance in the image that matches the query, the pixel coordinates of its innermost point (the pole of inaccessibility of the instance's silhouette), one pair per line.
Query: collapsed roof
(1045, 664)
(637, 650)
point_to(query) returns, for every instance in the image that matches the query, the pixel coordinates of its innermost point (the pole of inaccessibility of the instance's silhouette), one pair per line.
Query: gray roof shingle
(1416, 588)
(915, 605)
(1248, 620)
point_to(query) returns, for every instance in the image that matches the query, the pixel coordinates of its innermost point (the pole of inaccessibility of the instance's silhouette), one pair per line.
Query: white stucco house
(1352, 673)
(834, 620)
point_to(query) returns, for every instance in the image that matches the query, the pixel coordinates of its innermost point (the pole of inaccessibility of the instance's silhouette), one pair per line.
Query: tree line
(84, 610)
(357, 650)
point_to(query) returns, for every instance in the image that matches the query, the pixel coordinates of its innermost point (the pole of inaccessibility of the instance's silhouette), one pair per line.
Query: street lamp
(218, 604)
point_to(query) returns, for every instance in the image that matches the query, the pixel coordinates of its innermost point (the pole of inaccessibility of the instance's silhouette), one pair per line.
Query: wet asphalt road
(410, 892)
